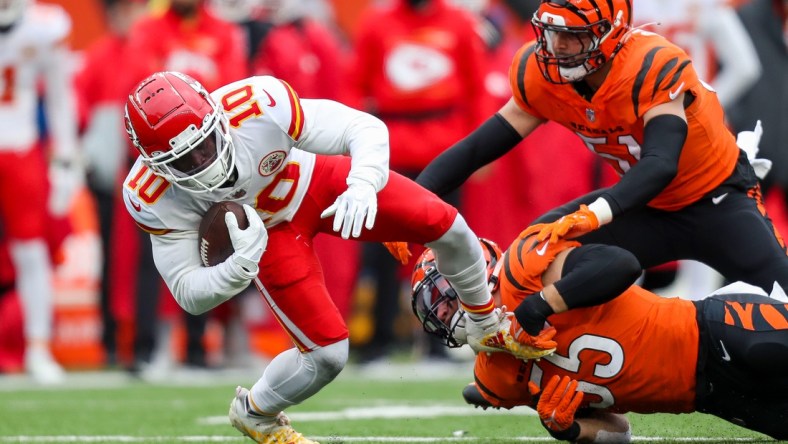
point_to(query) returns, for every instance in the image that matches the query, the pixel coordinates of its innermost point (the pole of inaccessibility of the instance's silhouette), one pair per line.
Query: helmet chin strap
(457, 327)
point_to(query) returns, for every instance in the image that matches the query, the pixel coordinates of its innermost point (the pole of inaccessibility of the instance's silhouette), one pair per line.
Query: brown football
(214, 238)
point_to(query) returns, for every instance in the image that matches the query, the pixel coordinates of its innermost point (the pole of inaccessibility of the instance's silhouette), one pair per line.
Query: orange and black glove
(570, 226)
(399, 250)
(557, 405)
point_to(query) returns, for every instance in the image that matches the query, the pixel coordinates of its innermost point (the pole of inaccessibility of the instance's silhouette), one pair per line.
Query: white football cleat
(260, 428)
(42, 367)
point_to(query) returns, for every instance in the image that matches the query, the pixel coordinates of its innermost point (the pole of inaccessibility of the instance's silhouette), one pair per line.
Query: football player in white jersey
(31, 47)
(256, 143)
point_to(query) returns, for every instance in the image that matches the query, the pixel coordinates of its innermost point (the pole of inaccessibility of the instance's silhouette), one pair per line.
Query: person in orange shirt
(727, 352)
(634, 99)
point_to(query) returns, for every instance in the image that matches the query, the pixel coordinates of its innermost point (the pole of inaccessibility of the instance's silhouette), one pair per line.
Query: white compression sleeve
(293, 377)
(459, 258)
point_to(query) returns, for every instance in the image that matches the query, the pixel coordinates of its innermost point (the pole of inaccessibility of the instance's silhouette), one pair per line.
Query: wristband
(532, 313)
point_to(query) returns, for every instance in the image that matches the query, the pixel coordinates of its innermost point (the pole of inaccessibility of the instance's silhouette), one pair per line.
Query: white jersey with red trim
(33, 48)
(276, 137)
(266, 122)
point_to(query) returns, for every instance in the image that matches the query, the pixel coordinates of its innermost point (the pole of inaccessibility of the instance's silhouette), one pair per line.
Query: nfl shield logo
(590, 115)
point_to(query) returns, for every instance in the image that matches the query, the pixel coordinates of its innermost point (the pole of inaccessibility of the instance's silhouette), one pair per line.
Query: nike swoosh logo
(137, 207)
(272, 102)
(676, 92)
(725, 355)
(541, 251)
(718, 199)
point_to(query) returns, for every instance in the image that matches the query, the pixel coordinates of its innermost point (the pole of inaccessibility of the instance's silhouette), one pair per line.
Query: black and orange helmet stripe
(571, 8)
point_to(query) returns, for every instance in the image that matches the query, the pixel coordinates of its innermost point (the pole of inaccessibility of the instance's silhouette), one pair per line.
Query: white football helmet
(11, 11)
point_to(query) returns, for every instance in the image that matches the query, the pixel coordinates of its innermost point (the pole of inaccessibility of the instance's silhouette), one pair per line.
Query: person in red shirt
(419, 66)
(100, 90)
(620, 347)
(186, 37)
(189, 38)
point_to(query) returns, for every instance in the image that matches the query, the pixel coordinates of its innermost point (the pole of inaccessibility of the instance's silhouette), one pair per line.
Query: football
(214, 238)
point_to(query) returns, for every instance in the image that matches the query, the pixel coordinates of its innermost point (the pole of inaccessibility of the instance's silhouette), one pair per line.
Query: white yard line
(327, 439)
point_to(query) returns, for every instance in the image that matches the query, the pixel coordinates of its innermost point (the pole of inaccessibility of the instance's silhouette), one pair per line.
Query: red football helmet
(598, 26)
(180, 132)
(430, 291)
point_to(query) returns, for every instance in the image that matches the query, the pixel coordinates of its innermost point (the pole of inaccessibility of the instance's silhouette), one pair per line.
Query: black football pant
(742, 373)
(727, 230)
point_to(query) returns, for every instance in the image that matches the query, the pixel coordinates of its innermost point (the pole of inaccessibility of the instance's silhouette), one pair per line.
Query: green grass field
(401, 405)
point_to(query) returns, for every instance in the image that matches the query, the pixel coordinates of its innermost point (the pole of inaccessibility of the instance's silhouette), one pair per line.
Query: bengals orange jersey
(646, 72)
(636, 353)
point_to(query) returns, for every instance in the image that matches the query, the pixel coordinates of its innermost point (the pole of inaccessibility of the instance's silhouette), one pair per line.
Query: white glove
(66, 177)
(248, 244)
(748, 141)
(357, 203)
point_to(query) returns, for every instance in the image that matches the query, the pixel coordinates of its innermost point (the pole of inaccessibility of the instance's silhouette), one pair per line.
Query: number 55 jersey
(635, 353)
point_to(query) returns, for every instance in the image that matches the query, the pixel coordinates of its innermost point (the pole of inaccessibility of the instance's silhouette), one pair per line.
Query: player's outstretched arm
(579, 277)
(491, 140)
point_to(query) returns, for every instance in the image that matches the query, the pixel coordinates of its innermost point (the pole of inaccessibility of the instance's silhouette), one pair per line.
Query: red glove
(399, 250)
(542, 341)
(570, 226)
(558, 402)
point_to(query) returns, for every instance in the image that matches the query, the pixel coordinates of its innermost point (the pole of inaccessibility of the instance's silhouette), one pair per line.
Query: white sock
(460, 259)
(34, 283)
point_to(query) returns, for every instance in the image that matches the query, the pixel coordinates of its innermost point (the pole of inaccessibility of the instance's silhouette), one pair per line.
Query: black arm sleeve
(491, 140)
(663, 139)
(594, 274)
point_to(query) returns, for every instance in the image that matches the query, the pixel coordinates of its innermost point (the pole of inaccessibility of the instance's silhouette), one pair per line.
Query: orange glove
(399, 250)
(533, 229)
(558, 402)
(542, 341)
(570, 226)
